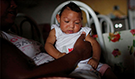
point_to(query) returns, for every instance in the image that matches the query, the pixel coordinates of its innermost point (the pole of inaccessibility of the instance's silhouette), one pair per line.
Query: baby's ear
(81, 18)
(58, 18)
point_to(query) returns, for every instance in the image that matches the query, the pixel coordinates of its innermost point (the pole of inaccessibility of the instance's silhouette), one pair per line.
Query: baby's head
(70, 18)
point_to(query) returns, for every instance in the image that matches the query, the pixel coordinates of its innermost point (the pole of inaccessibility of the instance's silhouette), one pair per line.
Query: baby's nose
(72, 25)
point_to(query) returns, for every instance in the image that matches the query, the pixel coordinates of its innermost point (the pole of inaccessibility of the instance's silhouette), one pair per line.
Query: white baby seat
(109, 25)
(88, 12)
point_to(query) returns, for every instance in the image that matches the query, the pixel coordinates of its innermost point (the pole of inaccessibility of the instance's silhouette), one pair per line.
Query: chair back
(27, 27)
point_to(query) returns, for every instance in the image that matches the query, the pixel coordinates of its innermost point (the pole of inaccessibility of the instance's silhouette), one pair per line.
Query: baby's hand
(94, 63)
(61, 55)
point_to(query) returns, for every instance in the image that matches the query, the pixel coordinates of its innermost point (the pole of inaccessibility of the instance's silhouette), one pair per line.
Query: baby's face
(70, 21)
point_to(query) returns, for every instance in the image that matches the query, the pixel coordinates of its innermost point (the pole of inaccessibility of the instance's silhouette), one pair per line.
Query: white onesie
(65, 42)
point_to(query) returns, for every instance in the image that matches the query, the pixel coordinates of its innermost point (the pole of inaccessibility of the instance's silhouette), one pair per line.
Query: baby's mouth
(70, 31)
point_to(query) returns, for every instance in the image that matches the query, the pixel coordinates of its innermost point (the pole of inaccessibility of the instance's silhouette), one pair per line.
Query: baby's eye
(66, 21)
(77, 22)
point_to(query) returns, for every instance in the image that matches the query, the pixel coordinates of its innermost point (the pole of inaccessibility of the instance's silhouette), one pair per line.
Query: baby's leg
(102, 68)
(108, 74)
(105, 71)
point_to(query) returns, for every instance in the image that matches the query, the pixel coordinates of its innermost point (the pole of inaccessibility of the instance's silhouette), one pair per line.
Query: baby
(65, 34)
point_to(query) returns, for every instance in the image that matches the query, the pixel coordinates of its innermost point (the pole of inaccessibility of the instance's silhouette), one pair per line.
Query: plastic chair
(108, 21)
(88, 12)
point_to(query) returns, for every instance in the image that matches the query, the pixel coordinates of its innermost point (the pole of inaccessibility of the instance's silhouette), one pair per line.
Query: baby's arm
(96, 51)
(50, 49)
